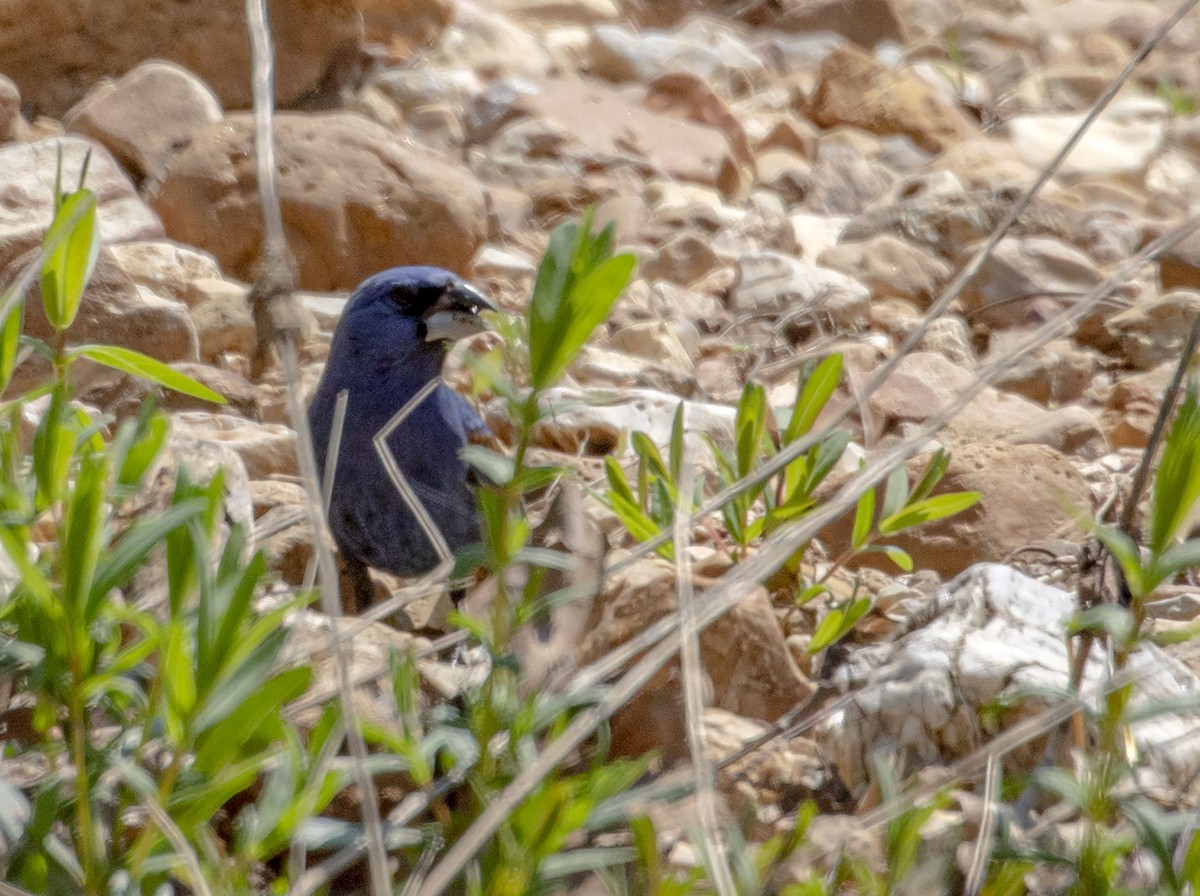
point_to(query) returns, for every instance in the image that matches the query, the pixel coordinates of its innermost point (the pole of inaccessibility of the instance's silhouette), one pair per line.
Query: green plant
(151, 719)
(771, 502)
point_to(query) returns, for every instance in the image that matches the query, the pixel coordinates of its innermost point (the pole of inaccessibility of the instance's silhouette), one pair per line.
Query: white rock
(992, 633)
(1123, 141)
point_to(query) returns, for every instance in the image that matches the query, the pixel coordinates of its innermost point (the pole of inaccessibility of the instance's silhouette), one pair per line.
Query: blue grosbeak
(391, 342)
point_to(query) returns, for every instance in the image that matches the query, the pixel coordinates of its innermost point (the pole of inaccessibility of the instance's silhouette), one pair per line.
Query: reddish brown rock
(744, 654)
(354, 197)
(1028, 495)
(855, 89)
(56, 49)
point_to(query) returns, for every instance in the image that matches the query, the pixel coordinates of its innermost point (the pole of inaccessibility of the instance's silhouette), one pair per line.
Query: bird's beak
(456, 314)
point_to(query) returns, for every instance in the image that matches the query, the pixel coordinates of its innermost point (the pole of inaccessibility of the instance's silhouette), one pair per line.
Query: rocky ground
(796, 178)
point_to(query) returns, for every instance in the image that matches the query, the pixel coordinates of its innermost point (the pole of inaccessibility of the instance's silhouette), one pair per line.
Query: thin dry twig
(277, 276)
(693, 675)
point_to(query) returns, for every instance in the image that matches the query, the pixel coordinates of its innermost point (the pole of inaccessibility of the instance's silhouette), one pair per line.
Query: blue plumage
(390, 342)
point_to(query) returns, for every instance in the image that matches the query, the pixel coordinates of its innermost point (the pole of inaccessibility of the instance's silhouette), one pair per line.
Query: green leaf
(928, 510)
(838, 623)
(84, 535)
(576, 285)
(129, 361)
(895, 493)
(237, 685)
(53, 448)
(497, 467)
(676, 447)
(812, 396)
(934, 471)
(1126, 553)
(897, 555)
(750, 426)
(10, 333)
(824, 456)
(243, 719)
(1177, 483)
(864, 516)
(70, 250)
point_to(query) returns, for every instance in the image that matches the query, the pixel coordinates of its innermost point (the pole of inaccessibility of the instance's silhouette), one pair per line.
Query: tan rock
(354, 198)
(890, 268)
(167, 268)
(12, 124)
(866, 22)
(145, 116)
(414, 22)
(603, 125)
(925, 384)
(115, 311)
(56, 49)
(267, 449)
(744, 654)
(1133, 405)
(652, 340)
(1152, 333)
(685, 259)
(1057, 373)
(1026, 280)
(1028, 495)
(853, 88)
(222, 317)
(27, 194)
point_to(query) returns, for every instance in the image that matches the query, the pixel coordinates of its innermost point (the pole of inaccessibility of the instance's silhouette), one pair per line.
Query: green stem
(85, 837)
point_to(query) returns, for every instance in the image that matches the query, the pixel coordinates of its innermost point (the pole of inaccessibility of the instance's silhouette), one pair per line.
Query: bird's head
(444, 306)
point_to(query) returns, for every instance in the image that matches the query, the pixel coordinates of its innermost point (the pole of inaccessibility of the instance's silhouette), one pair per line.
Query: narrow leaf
(129, 361)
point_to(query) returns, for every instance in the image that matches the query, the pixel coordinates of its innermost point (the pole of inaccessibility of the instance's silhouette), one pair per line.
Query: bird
(391, 341)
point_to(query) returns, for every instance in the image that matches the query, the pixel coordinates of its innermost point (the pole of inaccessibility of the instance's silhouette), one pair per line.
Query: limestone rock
(890, 267)
(992, 634)
(354, 199)
(770, 282)
(27, 194)
(167, 268)
(146, 115)
(1152, 333)
(267, 449)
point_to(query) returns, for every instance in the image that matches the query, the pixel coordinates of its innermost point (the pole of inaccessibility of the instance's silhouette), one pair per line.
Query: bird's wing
(463, 416)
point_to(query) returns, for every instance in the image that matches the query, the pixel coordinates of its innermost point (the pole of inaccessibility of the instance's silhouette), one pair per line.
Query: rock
(56, 49)
(27, 194)
(1153, 332)
(773, 283)
(685, 259)
(490, 43)
(866, 22)
(412, 22)
(600, 423)
(267, 449)
(947, 335)
(748, 664)
(786, 172)
(145, 116)
(890, 268)
(166, 268)
(1057, 373)
(1029, 494)
(844, 182)
(122, 394)
(1027, 280)
(816, 233)
(221, 313)
(1122, 142)
(602, 128)
(1133, 405)
(699, 48)
(854, 89)
(115, 311)
(12, 124)
(571, 12)
(925, 384)
(992, 637)
(652, 340)
(354, 198)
